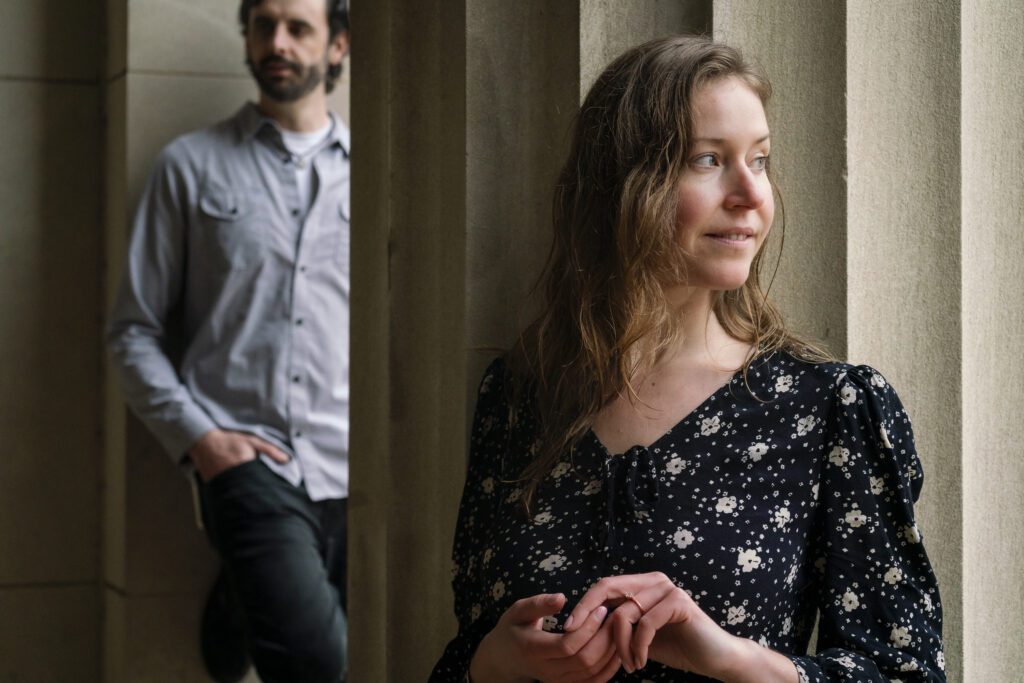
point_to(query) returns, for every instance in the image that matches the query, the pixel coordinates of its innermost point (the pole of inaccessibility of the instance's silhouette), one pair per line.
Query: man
(241, 244)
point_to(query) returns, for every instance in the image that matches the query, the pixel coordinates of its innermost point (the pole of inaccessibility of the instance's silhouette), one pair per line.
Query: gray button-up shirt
(259, 287)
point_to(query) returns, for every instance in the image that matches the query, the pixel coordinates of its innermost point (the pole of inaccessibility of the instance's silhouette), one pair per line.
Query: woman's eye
(760, 163)
(705, 161)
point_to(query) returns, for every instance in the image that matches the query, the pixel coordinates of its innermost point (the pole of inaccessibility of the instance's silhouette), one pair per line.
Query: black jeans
(285, 559)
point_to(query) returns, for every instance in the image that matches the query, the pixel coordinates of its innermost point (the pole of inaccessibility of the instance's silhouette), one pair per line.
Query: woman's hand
(517, 649)
(670, 628)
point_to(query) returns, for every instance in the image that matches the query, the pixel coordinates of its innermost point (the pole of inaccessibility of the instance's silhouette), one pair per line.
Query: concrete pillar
(904, 307)
(49, 340)
(992, 257)
(460, 127)
(170, 67)
(808, 122)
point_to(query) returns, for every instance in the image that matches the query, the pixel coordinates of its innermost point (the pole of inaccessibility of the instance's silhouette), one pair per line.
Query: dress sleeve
(880, 618)
(480, 498)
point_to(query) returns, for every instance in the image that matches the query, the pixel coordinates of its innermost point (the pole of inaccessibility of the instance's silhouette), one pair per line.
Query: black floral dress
(776, 500)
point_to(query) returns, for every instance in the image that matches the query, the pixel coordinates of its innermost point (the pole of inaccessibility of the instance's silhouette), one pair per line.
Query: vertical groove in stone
(408, 109)
(992, 149)
(807, 116)
(904, 296)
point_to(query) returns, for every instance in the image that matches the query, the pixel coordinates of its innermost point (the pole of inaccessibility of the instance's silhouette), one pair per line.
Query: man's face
(287, 47)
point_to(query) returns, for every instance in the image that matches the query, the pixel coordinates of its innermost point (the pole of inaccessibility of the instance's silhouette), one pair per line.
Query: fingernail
(568, 622)
(601, 611)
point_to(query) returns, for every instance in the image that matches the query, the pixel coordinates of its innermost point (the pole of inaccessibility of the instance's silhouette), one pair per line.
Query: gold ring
(630, 596)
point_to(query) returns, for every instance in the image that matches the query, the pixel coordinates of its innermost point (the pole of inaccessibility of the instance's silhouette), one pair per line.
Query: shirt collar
(252, 122)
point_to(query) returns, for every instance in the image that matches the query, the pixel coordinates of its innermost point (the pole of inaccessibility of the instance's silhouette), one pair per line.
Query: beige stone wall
(49, 340)
(992, 254)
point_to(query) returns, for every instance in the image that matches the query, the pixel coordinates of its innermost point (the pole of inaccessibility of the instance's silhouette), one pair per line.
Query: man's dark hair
(337, 21)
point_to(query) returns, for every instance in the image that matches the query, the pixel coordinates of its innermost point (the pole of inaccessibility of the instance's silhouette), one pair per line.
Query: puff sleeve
(477, 511)
(880, 618)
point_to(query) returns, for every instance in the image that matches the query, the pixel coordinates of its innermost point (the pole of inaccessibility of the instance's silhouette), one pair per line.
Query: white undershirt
(301, 146)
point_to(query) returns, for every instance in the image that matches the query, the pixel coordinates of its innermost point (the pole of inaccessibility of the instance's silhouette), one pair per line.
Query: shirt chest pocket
(331, 245)
(232, 232)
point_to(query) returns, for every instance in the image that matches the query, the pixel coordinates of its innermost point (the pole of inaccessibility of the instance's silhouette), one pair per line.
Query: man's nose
(281, 40)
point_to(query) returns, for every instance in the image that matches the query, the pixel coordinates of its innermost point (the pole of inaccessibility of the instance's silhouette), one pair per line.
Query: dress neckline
(699, 408)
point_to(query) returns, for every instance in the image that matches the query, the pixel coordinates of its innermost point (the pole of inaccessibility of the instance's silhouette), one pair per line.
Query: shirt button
(302, 269)
(295, 212)
(296, 378)
(298, 434)
(299, 322)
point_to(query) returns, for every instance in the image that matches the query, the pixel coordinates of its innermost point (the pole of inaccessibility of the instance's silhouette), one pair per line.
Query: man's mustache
(269, 62)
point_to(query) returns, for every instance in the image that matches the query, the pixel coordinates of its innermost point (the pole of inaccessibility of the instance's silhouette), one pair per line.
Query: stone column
(991, 244)
(460, 125)
(50, 299)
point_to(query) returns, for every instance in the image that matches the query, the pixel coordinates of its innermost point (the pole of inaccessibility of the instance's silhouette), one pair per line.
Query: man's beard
(286, 90)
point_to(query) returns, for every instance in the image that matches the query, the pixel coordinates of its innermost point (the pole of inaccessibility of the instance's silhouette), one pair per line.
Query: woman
(665, 484)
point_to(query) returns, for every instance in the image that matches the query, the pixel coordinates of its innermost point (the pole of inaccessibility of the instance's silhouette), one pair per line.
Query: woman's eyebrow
(719, 141)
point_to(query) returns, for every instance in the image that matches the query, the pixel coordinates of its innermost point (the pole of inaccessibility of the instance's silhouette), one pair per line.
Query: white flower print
(814, 491)
(552, 562)
(787, 626)
(749, 560)
(877, 485)
(498, 589)
(839, 456)
(488, 554)
(847, 661)
(855, 517)
(900, 636)
(514, 495)
(682, 538)
(884, 436)
(909, 666)
(675, 465)
(850, 601)
(893, 576)
(726, 504)
(549, 624)
(710, 425)
(487, 485)
(762, 641)
(474, 611)
(805, 424)
(542, 517)
(783, 384)
(912, 534)
(592, 487)
(560, 469)
(757, 450)
(736, 615)
(782, 517)
(927, 600)
(848, 395)
(793, 571)
(877, 380)
(940, 660)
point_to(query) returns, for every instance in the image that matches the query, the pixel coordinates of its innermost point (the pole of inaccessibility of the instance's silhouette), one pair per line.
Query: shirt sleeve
(880, 618)
(477, 514)
(150, 289)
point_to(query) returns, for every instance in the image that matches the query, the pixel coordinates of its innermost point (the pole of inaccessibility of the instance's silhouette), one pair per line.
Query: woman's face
(725, 204)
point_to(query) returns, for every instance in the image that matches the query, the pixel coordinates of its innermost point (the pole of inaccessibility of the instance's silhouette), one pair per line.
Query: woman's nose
(747, 188)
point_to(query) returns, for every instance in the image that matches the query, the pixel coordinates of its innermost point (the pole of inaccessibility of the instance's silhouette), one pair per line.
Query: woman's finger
(529, 610)
(622, 632)
(571, 643)
(601, 592)
(647, 626)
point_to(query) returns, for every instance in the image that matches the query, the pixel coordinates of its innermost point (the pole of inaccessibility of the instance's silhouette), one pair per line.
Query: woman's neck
(703, 341)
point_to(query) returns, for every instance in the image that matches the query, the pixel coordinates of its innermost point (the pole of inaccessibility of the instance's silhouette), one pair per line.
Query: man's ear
(338, 48)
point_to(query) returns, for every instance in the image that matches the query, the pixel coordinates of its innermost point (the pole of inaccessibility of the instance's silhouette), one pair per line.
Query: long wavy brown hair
(615, 248)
